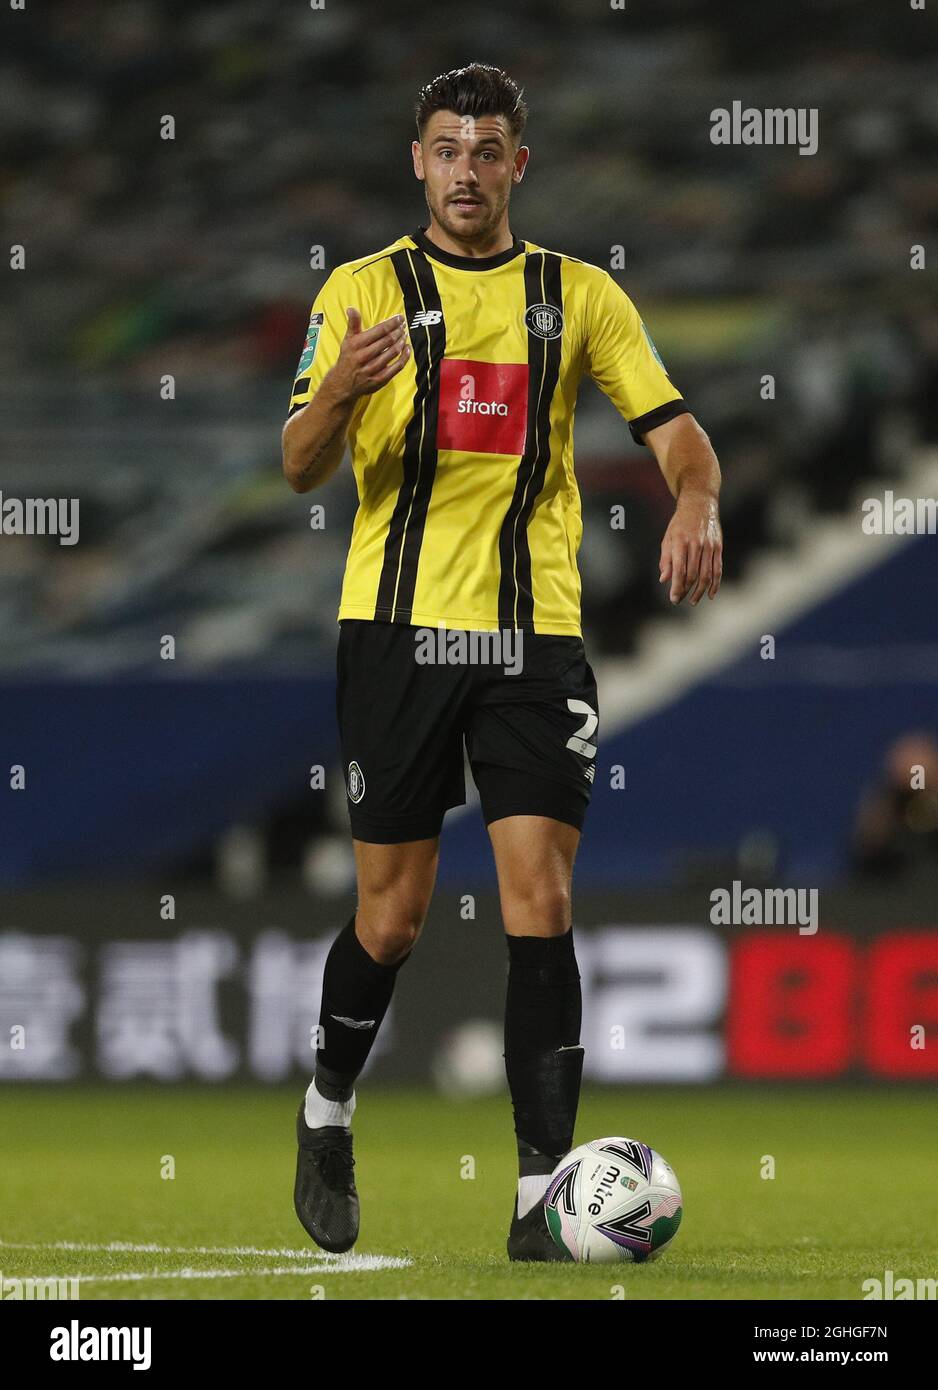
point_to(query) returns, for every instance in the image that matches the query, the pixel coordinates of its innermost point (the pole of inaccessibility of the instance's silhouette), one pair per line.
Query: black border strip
(653, 418)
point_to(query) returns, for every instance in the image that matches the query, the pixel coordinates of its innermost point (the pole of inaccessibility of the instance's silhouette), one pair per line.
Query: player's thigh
(531, 737)
(534, 858)
(405, 873)
(400, 729)
(395, 886)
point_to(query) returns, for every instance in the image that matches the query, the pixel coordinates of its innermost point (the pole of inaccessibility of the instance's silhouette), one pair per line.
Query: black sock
(543, 1059)
(356, 992)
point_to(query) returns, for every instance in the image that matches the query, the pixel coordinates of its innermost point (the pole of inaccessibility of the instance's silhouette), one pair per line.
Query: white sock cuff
(320, 1111)
(531, 1191)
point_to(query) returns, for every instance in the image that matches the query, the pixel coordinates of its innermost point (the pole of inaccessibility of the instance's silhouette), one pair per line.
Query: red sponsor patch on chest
(483, 406)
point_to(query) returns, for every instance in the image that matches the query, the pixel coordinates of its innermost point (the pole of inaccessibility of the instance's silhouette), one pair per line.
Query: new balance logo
(354, 1022)
(427, 318)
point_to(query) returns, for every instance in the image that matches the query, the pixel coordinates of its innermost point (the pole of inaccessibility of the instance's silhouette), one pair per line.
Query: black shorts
(530, 737)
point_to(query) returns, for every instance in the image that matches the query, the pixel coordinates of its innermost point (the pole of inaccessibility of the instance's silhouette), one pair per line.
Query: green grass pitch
(854, 1194)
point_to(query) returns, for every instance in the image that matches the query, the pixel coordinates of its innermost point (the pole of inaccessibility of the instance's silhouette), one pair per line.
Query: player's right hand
(368, 360)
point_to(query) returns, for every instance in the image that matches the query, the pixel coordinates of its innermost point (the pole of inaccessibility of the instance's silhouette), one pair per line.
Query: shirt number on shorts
(579, 741)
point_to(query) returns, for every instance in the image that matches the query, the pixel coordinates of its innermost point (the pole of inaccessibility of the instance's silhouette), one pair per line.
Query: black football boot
(324, 1194)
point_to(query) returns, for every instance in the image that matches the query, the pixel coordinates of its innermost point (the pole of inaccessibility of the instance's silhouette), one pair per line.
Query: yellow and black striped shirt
(469, 512)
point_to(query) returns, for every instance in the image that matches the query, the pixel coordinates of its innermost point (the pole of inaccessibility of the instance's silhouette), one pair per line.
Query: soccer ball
(613, 1199)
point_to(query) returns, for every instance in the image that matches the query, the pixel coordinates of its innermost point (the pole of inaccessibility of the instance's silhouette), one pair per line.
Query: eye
(444, 153)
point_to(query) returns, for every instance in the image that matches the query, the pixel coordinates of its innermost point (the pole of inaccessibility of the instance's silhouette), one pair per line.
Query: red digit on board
(903, 994)
(791, 1005)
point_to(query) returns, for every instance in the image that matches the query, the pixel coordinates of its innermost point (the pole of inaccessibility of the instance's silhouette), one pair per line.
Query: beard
(481, 229)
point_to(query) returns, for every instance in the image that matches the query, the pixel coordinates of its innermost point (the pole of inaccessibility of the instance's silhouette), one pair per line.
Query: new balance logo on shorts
(354, 1022)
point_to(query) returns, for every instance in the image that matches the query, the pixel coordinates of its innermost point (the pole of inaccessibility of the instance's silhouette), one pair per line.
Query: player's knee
(392, 932)
(543, 907)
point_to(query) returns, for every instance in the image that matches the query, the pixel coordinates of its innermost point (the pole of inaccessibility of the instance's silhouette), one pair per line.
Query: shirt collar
(430, 248)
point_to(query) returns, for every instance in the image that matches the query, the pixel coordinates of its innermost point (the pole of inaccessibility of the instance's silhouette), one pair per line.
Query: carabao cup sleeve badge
(651, 344)
(312, 339)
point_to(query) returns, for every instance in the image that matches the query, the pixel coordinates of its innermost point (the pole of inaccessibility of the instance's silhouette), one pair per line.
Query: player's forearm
(692, 549)
(314, 438)
(688, 464)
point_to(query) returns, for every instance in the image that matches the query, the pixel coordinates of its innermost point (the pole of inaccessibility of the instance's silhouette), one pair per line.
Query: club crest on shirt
(356, 783)
(312, 342)
(544, 320)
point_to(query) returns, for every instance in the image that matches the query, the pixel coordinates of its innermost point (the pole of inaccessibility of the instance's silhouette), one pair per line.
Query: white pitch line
(354, 1264)
(326, 1263)
(121, 1247)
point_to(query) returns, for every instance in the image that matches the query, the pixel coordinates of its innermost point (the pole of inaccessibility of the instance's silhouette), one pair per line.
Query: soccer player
(449, 362)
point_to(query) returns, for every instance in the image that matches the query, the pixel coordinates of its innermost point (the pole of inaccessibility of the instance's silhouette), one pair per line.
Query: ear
(521, 160)
(417, 153)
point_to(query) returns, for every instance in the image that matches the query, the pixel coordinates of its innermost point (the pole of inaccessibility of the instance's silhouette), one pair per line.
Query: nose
(464, 172)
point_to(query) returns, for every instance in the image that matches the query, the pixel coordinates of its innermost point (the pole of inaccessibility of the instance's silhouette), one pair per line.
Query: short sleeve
(327, 327)
(623, 361)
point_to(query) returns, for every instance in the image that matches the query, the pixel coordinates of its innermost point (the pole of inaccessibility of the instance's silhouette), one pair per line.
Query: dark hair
(477, 90)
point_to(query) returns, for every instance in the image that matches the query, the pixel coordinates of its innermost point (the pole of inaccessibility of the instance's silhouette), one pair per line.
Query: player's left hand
(692, 549)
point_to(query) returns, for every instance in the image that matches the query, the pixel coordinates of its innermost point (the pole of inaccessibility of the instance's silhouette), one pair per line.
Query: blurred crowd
(896, 831)
(189, 258)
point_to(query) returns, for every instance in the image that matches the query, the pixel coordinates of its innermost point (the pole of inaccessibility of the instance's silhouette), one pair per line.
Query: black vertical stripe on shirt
(542, 285)
(398, 579)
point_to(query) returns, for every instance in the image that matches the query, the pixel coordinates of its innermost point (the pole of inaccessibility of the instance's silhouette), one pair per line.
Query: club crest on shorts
(356, 783)
(544, 320)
